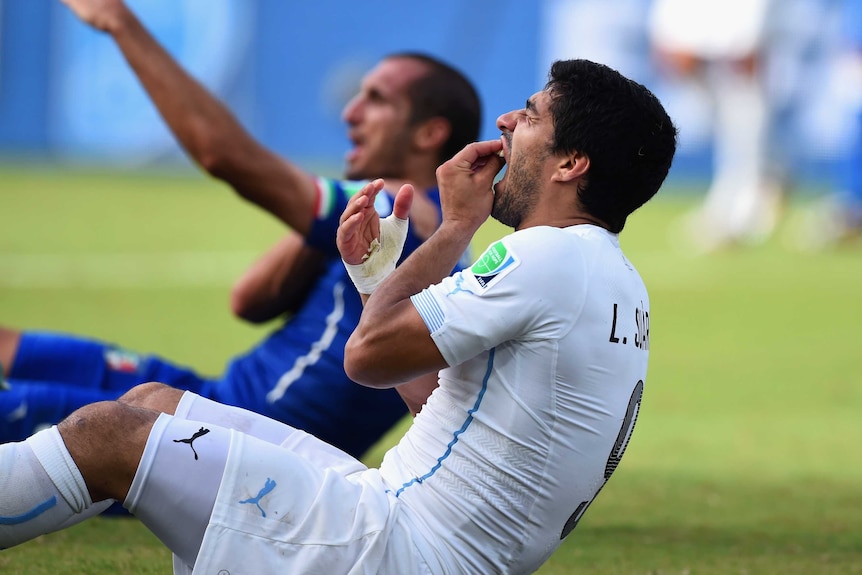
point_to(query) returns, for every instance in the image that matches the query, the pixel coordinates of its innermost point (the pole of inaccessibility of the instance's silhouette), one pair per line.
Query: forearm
(208, 131)
(391, 344)
(201, 123)
(467, 197)
(430, 263)
(278, 281)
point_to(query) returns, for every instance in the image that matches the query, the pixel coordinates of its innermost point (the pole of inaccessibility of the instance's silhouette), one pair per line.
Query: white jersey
(728, 29)
(547, 336)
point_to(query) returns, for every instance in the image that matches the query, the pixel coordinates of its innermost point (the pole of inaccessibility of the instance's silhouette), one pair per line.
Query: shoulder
(533, 255)
(545, 253)
(546, 244)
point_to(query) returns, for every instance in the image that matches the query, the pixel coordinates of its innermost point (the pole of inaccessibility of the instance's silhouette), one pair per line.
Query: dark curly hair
(621, 127)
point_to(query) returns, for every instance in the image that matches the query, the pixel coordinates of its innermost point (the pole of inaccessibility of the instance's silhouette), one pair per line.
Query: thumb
(403, 201)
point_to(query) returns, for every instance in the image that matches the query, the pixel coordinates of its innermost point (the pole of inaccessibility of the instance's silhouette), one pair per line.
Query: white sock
(41, 489)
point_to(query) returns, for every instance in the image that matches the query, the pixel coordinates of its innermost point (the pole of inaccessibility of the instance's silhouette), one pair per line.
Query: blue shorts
(55, 374)
(91, 364)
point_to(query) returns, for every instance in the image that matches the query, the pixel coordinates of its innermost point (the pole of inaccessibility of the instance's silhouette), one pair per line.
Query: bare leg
(100, 454)
(154, 396)
(69, 473)
(106, 441)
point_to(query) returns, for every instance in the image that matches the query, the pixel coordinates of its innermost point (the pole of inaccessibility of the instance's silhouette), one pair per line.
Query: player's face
(378, 121)
(527, 137)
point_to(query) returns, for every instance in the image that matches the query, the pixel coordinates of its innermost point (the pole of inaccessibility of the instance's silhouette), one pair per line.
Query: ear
(432, 133)
(572, 167)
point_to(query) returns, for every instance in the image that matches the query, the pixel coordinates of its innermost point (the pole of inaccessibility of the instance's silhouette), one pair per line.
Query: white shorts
(277, 512)
(299, 507)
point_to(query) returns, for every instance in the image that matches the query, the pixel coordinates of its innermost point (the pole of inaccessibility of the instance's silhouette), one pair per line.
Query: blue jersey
(295, 375)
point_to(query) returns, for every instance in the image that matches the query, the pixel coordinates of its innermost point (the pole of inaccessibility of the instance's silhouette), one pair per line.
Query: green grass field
(746, 457)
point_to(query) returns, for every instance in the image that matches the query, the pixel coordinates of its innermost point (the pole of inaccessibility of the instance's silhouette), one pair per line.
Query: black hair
(444, 92)
(621, 127)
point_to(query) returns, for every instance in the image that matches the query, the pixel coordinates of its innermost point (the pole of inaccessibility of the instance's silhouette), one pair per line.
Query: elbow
(353, 361)
(357, 364)
(239, 306)
(213, 160)
(209, 148)
(242, 305)
(226, 165)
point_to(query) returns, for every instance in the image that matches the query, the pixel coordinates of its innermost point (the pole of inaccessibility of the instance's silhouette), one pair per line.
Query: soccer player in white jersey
(719, 49)
(541, 348)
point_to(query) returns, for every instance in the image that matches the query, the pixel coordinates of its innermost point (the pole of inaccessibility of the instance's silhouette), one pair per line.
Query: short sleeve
(511, 292)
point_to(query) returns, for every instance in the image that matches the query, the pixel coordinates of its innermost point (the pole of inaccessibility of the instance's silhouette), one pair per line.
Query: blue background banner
(287, 68)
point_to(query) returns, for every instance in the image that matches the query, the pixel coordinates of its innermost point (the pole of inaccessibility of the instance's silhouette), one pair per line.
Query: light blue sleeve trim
(431, 312)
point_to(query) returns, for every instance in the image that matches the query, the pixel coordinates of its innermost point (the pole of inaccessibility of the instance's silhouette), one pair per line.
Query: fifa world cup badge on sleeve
(494, 265)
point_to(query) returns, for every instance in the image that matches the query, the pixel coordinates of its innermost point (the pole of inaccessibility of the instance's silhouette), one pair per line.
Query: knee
(153, 395)
(106, 441)
(94, 421)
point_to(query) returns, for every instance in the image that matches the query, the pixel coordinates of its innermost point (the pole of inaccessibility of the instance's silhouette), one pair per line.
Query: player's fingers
(403, 201)
(347, 230)
(349, 239)
(356, 204)
(477, 159)
(350, 226)
(372, 188)
(486, 168)
(363, 197)
(471, 153)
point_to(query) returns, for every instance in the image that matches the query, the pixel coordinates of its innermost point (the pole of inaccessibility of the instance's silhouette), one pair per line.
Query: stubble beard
(518, 197)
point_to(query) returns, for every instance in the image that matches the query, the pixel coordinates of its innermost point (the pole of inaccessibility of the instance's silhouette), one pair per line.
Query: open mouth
(354, 150)
(506, 144)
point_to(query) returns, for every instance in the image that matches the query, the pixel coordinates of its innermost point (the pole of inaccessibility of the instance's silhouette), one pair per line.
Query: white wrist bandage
(382, 256)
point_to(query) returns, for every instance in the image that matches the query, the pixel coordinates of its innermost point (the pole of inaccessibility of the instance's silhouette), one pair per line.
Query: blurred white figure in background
(837, 219)
(720, 45)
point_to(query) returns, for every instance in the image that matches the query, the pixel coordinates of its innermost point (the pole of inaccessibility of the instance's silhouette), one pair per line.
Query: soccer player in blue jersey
(296, 374)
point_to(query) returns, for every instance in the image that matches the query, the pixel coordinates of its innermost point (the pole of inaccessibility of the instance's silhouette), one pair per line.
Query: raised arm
(391, 345)
(205, 128)
(358, 234)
